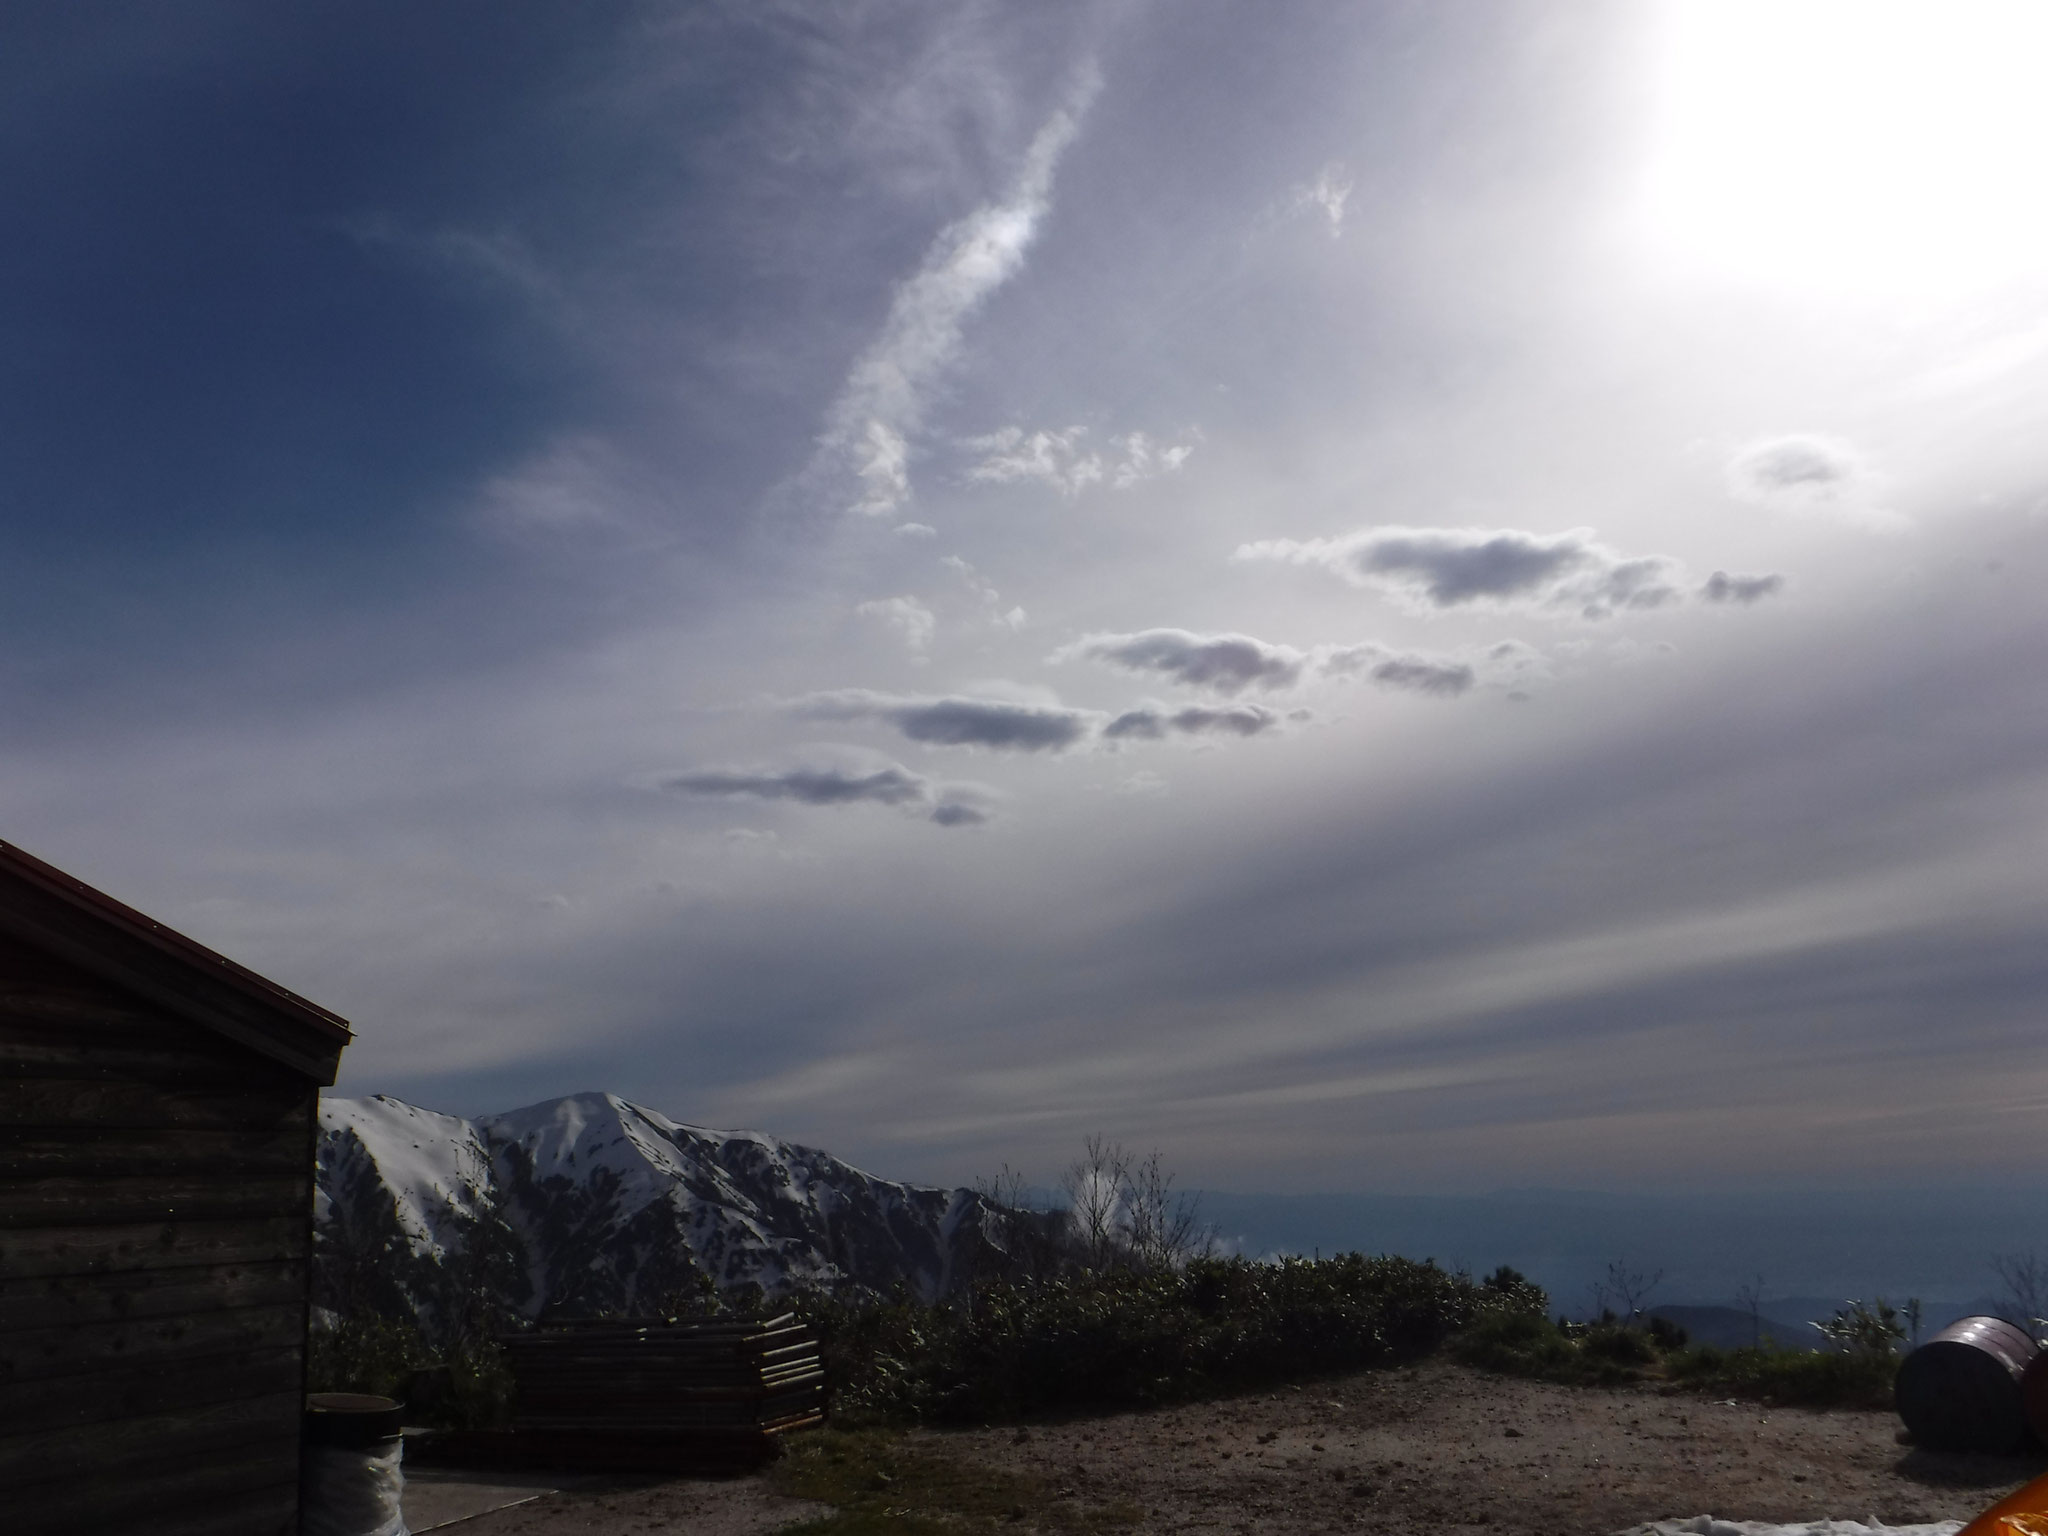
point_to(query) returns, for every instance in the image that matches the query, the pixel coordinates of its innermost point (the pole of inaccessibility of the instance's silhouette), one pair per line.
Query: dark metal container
(1961, 1390)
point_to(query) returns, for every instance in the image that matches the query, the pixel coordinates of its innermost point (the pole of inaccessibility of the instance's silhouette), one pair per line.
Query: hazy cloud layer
(885, 396)
(996, 724)
(1227, 663)
(1434, 569)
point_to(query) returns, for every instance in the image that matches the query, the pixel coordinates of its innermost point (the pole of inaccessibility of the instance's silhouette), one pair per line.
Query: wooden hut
(158, 1107)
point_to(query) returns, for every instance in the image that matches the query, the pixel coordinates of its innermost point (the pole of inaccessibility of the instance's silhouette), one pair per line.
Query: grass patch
(1609, 1355)
(1854, 1378)
(876, 1483)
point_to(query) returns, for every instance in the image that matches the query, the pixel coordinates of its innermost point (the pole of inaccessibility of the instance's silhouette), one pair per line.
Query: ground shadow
(1958, 1469)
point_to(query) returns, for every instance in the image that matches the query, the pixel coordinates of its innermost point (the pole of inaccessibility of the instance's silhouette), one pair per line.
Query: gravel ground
(1432, 1448)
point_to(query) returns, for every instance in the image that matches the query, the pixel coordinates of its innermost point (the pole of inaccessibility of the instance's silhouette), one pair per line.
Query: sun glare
(1861, 146)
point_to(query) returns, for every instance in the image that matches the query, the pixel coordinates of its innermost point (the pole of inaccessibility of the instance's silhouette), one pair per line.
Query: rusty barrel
(1960, 1391)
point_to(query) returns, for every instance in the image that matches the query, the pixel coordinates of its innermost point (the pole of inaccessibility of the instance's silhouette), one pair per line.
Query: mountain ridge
(588, 1205)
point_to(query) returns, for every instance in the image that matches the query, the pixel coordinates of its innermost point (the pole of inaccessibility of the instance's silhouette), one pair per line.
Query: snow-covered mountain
(588, 1204)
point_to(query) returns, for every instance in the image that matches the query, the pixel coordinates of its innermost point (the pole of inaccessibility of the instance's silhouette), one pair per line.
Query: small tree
(1161, 1229)
(1094, 1187)
(1750, 1297)
(2025, 1277)
(1627, 1290)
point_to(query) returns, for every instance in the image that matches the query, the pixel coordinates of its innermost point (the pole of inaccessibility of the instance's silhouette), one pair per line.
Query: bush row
(1126, 1339)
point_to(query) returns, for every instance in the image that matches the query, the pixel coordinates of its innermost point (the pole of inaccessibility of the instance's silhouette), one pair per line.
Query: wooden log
(46, 1051)
(262, 1427)
(60, 1202)
(89, 1152)
(133, 1105)
(189, 1337)
(66, 1302)
(123, 1248)
(228, 1495)
(147, 1387)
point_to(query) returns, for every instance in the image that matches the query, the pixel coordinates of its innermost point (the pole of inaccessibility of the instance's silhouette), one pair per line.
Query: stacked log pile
(699, 1394)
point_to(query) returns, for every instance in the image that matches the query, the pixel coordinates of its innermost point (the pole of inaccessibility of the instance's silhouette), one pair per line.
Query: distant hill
(1733, 1328)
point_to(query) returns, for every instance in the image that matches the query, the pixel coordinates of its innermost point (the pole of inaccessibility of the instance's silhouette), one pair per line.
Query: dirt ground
(1431, 1448)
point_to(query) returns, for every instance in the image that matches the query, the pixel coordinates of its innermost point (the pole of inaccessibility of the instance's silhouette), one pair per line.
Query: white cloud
(1435, 569)
(907, 616)
(885, 395)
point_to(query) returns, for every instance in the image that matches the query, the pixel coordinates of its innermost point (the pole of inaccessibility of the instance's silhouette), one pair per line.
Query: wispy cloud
(955, 721)
(1810, 475)
(985, 593)
(1328, 192)
(1435, 569)
(869, 426)
(1438, 676)
(907, 616)
(886, 784)
(1065, 461)
(575, 484)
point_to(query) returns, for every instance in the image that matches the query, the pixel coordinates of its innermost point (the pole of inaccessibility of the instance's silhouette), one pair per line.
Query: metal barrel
(1961, 1390)
(2034, 1390)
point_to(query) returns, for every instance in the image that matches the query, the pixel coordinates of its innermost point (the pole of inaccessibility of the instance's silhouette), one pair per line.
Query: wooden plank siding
(156, 1184)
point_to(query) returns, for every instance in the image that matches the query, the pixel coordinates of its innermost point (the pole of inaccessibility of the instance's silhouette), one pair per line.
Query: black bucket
(1961, 1390)
(354, 1419)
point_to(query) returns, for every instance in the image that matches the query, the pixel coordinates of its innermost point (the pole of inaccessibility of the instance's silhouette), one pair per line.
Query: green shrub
(469, 1386)
(1007, 1350)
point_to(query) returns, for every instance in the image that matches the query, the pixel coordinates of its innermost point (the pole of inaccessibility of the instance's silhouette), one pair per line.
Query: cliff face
(588, 1204)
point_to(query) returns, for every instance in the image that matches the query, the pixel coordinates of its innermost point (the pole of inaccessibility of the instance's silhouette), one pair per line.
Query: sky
(1403, 597)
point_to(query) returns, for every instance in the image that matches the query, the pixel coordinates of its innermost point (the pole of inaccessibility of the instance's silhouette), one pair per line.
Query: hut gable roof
(43, 906)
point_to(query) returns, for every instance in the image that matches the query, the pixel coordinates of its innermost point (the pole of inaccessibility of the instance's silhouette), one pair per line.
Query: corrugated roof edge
(43, 905)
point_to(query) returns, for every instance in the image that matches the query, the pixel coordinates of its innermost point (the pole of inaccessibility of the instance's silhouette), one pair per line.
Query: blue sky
(1403, 597)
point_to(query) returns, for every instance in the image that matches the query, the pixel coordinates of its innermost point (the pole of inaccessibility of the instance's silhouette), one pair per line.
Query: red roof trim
(76, 892)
